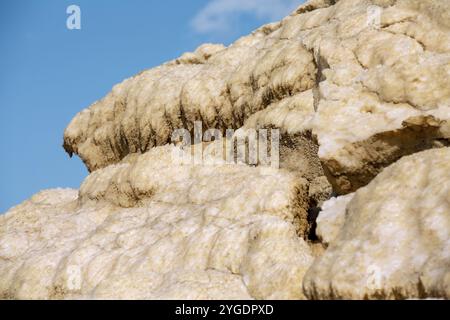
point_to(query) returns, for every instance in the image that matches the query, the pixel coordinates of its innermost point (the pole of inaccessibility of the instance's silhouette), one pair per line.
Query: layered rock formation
(368, 85)
(148, 228)
(354, 86)
(394, 240)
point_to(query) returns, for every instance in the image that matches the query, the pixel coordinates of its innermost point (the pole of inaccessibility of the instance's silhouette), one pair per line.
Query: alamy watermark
(73, 21)
(374, 16)
(73, 278)
(251, 146)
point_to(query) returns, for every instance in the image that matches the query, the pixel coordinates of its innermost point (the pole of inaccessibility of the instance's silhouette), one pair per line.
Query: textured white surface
(332, 217)
(331, 69)
(149, 229)
(395, 240)
(357, 95)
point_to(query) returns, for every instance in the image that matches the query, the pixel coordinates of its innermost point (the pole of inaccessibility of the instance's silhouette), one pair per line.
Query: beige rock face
(332, 217)
(395, 238)
(149, 228)
(368, 78)
(357, 88)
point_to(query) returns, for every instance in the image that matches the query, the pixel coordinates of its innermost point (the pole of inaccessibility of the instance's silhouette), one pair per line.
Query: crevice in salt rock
(410, 196)
(371, 156)
(299, 154)
(313, 213)
(321, 64)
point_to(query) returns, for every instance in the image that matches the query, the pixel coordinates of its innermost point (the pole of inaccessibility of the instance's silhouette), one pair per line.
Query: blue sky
(49, 73)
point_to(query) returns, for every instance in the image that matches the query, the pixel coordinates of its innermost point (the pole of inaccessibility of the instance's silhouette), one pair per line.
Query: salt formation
(332, 217)
(354, 86)
(368, 87)
(394, 241)
(150, 229)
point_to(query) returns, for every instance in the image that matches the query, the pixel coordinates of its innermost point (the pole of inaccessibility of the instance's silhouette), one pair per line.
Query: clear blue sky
(49, 73)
